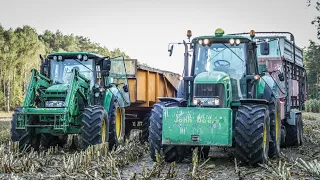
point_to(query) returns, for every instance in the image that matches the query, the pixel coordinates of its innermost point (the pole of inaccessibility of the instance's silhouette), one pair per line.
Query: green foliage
(313, 105)
(316, 20)
(19, 53)
(312, 64)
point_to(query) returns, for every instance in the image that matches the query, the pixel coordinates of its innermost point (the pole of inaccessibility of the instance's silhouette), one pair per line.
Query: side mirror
(106, 66)
(264, 48)
(170, 50)
(44, 67)
(281, 76)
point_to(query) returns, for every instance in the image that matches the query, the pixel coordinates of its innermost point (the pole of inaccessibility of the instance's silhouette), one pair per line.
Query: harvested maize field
(131, 161)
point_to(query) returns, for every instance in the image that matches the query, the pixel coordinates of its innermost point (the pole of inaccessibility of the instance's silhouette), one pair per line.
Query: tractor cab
(219, 60)
(61, 67)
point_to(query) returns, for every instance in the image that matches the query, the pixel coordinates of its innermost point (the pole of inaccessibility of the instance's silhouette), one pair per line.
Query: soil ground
(132, 161)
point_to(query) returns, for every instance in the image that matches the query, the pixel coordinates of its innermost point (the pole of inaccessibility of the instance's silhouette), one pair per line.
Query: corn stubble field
(131, 161)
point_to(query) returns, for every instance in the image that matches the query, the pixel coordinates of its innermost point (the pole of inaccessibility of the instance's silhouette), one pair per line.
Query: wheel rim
(103, 131)
(264, 137)
(118, 122)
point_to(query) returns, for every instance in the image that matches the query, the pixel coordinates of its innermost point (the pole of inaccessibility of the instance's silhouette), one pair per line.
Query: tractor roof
(74, 55)
(222, 38)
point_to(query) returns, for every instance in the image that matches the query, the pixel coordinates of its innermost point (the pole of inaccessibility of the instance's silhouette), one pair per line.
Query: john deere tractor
(224, 101)
(75, 93)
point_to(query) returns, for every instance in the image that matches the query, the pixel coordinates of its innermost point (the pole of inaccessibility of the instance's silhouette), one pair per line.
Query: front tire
(29, 140)
(14, 133)
(252, 134)
(275, 128)
(171, 153)
(95, 126)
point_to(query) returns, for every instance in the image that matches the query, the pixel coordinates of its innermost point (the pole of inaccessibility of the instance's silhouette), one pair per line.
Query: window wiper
(83, 65)
(57, 82)
(233, 52)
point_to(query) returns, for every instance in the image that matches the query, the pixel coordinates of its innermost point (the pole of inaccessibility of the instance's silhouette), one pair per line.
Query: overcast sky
(143, 28)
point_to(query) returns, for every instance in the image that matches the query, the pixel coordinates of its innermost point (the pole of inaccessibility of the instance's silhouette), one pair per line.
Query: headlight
(54, 103)
(207, 101)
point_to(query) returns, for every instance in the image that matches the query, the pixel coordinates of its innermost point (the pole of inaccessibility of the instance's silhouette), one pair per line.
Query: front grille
(209, 90)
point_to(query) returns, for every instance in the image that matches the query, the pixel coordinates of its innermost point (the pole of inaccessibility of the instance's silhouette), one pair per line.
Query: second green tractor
(226, 101)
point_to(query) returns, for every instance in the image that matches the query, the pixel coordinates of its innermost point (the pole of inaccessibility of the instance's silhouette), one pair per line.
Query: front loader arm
(81, 85)
(38, 82)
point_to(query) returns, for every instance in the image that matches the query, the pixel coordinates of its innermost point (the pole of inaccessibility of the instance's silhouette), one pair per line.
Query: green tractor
(78, 98)
(224, 101)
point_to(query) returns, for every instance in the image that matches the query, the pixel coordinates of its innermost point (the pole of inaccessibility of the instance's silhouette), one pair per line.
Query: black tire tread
(14, 133)
(274, 148)
(171, 153)
(293, 138)
(113, 139)
(145, 127)
(25, 141)
(92, 124)
(249, 128)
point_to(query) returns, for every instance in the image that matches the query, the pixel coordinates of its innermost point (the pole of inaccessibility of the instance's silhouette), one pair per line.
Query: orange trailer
(146, 84)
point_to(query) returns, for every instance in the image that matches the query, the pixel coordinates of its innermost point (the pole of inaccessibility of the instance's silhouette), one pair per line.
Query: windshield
(223, 57)
(61, 71)
(220, 57)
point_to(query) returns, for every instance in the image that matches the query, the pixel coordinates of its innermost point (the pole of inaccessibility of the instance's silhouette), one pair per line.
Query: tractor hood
(57, 88)
(213, 77)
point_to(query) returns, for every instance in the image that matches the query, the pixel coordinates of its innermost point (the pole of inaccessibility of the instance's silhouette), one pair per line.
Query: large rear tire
(116, 122)
(252, 133)
(171, 153)
(95, 126)
(275, 128)
(294, 133)
(145, 128)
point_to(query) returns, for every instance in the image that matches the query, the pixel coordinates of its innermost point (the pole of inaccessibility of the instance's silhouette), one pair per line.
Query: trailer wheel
(275, 128)
(171, 153)
(252, 134)
(294, 133)
(95, 126)
(145, 127)
(14, 133)
(116, 122)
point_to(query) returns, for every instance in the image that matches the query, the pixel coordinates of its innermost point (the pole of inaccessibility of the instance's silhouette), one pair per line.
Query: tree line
(19, 53)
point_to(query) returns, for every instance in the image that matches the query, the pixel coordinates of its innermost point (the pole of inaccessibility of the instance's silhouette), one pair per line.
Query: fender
(254, 101)
(266, 88)
(107, 99)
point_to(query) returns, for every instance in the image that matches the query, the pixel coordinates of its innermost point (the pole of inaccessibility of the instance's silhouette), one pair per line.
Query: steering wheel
(222, 63)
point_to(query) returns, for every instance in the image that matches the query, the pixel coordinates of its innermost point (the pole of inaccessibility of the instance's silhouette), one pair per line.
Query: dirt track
(133, 159)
